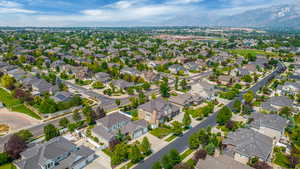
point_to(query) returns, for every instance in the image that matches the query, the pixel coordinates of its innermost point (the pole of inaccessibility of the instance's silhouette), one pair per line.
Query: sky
(91, 13)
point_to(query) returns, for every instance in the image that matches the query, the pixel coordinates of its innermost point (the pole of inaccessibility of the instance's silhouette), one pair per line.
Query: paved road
(181, 143)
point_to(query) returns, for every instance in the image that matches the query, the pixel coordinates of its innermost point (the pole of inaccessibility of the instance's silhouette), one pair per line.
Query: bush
(5, 158)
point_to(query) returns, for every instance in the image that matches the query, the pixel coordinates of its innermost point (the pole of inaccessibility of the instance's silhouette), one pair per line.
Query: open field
(245, 52)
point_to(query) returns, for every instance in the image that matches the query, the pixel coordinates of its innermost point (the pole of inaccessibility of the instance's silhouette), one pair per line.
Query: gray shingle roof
(250, 143)
(272, 121)
(221, 162)
(112, 119)
(36, 156)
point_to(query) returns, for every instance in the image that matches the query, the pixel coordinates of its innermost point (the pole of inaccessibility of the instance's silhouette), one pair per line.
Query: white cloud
(183, 1)
(9, 7)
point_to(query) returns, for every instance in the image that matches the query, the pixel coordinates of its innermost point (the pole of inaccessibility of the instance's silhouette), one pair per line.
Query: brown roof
(221, 162)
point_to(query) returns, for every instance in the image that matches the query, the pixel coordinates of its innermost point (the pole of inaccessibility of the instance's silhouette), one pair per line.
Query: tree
(237, 106)
(177, 128)
(99, 112)
(261, 165)
(285, 111)
(200, 154)
(120, 154)
(15, 146)
(248, 97)
(182, 166)
(64, 122)
(203, 137)
(183, 84)
(224, 115)
(210, 148)
(194, 141)
(247, 78)
(156, 165)
(166, 162)
(118, 102)
(47, 106)
(50, 132)
(174, 157)
(164, 89)
(146, 146)
(98, 85)
(7, 81)
(4, 158)
(135, 155)
(76, 116)
(230, 125)
(176, 83)
(186, 120)
(26, 135)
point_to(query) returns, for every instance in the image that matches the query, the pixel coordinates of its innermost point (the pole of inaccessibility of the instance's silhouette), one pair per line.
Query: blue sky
(122, 12)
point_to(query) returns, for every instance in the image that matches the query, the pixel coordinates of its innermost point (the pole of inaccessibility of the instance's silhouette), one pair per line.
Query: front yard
(161, 132)
(15, 104)
(8, 166)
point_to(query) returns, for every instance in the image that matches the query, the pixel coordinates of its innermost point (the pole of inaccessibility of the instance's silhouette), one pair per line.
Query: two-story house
(56, 153)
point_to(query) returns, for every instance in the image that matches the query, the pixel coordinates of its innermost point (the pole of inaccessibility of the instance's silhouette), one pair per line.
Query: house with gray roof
(246, 143)
(122, 84)
(204, 89)
(221, 162)
(58, 153)
(102, 77)
(109, 126)
(275, 103)
(62, 96)
(176, 68)
(271, 125)
(291, 88)
(187, 99)
(130, 71)
(157, 111)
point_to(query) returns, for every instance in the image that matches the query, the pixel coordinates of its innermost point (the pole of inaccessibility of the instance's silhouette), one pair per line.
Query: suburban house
(157, 111)
(271, 125)
(240, 72)
(225, 79)
(62, 96)
(122, 84)
(187, 99)
(176, 68)
(56, 153)
(109, 126)
(204, 89)
(130, 71)
(39, 86)
(275, 103)
(246, 143)
(220, 162)
(150, 76)
(292, 88)
(102, 77)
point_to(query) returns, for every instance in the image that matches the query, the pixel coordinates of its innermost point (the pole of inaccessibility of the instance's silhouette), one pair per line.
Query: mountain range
(281, 17)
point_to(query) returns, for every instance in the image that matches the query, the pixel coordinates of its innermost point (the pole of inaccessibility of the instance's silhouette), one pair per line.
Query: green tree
(98, 85)
(224, 115)
(7, 81)
(64, 122)
(48, 106)
(247, 78)
(237, 106)
(164, 89)
(76, 116)
(183, 84)
(119, 154)
(118, 102)
(50, 132)
(177, 128)
(174, 157)
(186, 120)
(248, 97)
(194, 141)
(4, 158)
(166, 162)
(146, 146)
(26, 135)
(176, 83)
(210, 148)
(203, 137)
(156, 165)
(135, 155)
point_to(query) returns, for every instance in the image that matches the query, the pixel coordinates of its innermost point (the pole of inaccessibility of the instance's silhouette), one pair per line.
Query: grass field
(8, 166)
(15, 105)
(161, 132)
(169, 139)
(245, 52)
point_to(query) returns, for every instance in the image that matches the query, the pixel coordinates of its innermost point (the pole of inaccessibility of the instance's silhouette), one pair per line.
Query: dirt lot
(16, 121)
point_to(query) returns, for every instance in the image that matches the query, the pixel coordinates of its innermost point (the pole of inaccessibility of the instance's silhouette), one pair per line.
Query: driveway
(15, 120)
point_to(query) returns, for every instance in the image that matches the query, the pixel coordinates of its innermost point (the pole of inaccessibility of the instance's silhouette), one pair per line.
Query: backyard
(8, 166)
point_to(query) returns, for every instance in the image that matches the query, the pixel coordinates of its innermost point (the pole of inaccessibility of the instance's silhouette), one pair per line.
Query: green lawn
(8, 166)
(169, 139)
(281, 160)
(161, 132)
(186, 153)
(15, 104)
(245, 52)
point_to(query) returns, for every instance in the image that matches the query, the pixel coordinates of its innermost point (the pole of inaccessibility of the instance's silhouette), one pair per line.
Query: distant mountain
(283, 16)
